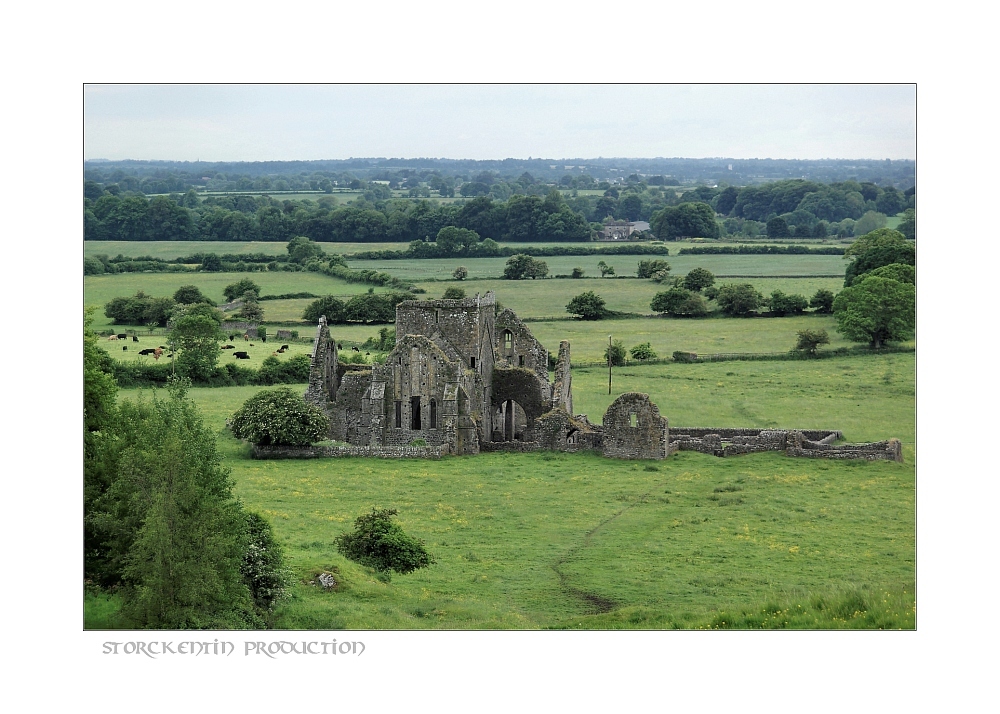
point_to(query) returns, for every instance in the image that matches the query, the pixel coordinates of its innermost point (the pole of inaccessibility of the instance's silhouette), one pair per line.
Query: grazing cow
(279, 352)
(252, 344)
(340, 347)
(147, 351)
(125, 348)
(163, 347)
(246, 337)
(157, 352)
(263, 338)
(232, 337)
(241, 355)
(135, 338)
(284, 347)
(112, 338)
(228, 347)
(355, 349)
(122, 336)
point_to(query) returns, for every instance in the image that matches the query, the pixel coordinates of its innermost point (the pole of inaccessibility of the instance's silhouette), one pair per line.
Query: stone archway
(517, 388)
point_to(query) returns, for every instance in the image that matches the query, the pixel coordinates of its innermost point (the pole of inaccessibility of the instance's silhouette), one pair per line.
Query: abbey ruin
(465, 378)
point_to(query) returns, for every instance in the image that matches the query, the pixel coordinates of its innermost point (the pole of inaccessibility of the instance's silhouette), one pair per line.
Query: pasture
(551, 540)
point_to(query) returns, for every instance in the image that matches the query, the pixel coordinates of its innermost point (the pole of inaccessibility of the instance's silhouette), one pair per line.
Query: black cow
(232, 337)
(135, 338)
(368, 354)
(122, 336)
(263, 338)
(284, 347)
(147, 352)
(355, 349)
(241, 355)
(340, 347)
(125, 348)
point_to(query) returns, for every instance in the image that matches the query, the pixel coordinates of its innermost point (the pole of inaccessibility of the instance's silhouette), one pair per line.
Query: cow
(157, 352)
(263, 338)
(232, 337)
(252, 344)
(228, 347)
(163, 347)
(355, 349)
(112, 338)
(241, 355)
(122, 336)
(125, 348)
(284, 347)
(340, 347)
(246, 337)
(147, 351)
(279, 352)
(135, 338)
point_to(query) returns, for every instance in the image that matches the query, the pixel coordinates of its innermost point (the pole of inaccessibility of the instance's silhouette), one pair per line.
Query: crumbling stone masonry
(465, 378)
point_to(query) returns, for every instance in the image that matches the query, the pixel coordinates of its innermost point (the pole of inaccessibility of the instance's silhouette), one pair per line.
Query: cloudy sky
(286, 122)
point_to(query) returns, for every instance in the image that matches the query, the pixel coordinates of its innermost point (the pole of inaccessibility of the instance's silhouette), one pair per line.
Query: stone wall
(888, 450)
(231, 327)
(730, 433)
(322, 367)
(634, 429)
(517, 347)
(328, 452)
(562, 386)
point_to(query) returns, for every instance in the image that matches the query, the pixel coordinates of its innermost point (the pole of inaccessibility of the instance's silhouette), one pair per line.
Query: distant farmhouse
(621, 230)
(465, 378)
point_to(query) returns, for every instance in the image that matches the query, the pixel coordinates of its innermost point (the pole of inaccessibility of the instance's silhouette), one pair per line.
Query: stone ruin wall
(634, 429)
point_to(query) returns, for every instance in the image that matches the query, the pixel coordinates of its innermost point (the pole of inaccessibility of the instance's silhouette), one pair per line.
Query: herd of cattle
(157, 352)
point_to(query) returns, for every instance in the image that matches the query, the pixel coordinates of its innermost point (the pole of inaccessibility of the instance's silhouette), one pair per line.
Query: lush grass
(442, 268)
(548, 298)
(589, 340)
(548, 540)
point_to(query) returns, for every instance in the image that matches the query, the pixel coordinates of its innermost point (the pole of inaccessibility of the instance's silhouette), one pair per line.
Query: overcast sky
(287, 122)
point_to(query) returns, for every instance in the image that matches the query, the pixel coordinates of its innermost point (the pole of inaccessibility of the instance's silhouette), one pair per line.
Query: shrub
(647, 268)
(279, 417)
(781, 304)
(460, 273)
(809, 340)
(698, 279)
(576, 273)
(378, 543)
(453, 294)
(237, 290)
(588, 306)
(617, 350)
(190, 295)
(679, 302)
(822, 301)
(680, 356)
(522, 266)
(738, 299)
(263, 568)
(643, 352)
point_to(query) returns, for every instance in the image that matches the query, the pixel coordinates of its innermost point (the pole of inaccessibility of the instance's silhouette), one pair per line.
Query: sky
(301, 122)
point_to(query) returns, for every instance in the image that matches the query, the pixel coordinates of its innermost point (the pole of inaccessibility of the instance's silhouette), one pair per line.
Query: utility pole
(609, 364)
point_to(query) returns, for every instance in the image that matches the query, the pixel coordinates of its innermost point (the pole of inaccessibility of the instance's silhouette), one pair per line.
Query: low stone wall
(333, 452)
(888, 450)
(520, 447)
(699, 432)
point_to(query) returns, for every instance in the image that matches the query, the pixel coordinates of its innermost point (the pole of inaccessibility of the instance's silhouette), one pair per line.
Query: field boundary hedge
(791, 355)
(759, 250)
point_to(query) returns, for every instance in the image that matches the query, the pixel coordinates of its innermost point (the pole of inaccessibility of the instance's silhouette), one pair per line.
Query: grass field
(442, 268)
(578, 541)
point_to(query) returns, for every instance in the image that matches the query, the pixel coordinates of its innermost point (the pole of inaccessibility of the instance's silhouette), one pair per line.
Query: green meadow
(551, 540)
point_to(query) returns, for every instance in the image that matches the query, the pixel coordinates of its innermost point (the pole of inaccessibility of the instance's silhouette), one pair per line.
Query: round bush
(279, 417)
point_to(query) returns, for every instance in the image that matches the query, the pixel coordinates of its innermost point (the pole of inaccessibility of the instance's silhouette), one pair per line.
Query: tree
(781, 304)
(605, 269)
(263, 569)
(778, 228)
(522, 266)
(370, 307)
(810, 340)
(685, 220)
(869, 222)
(251, 310)
(460, 273)
(822, 301)
(896, 271)
(237, 290)
(647, 268)
(588, 305)
(279, 417)
(876, 249)
(451, 240)
(738, 299)
(197, 338)
(643, 352)
(876, 310)
(453, 294)
(175, 534)
(190, 295)
(211, 263)
(698, 279)
(679, 302)
(379, 543)
(302, 250)
(576, 273)
(618, 353)
(330, 306)
(908, 226)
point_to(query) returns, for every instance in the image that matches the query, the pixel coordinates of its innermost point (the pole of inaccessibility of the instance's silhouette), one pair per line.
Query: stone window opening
(520, 360)
(508, 342)
(434, 419)
(415, 413)
(437, 316)
(633, 420)
(472, 362)
(399, 414)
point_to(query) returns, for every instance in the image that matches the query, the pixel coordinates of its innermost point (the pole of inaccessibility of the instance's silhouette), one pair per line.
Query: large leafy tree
(197, 337)
(876, 310)
(739, 299)
(875, 250)
(237, 289)
(686, 220)
(588, 305)
(679, 302)
(332, 307)
(279, 417)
